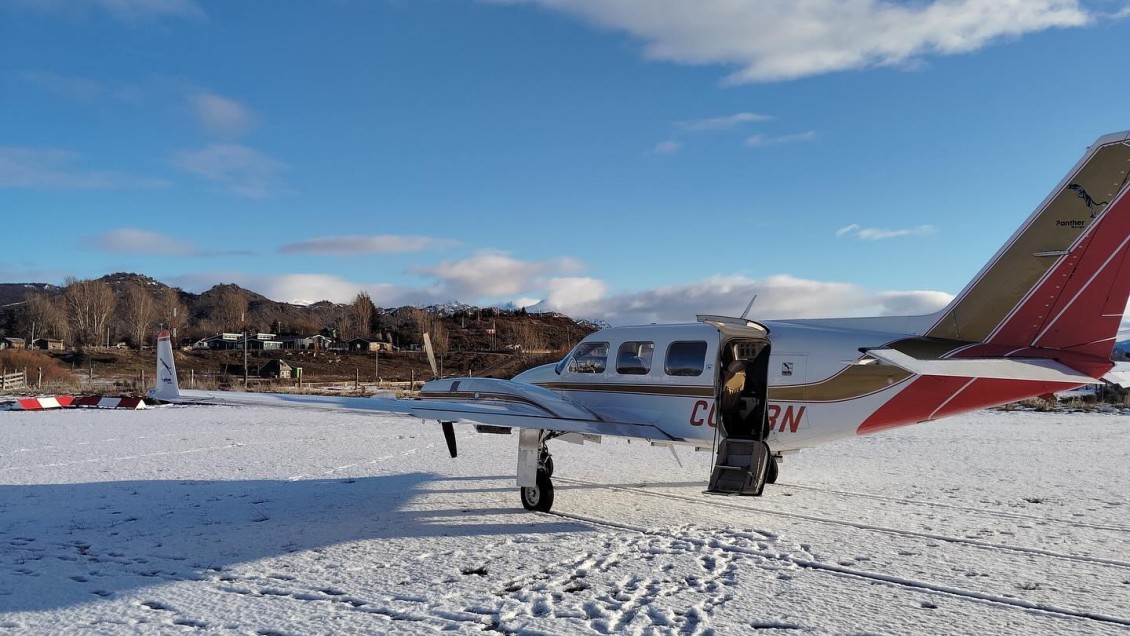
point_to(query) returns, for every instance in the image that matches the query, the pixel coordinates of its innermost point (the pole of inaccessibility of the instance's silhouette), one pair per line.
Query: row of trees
(130, 307)
(94, 313)
(90, 312)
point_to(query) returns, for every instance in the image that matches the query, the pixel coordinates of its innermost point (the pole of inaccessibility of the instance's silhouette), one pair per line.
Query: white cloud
(879, 234)
(573, 291)
(124, 10)
(484, 277)
(668, 147)
(774, 40)
(755, 141)
(294, 288)
(54, 169)
(128, 240)
(721, 123)
(221, 115)
(778, 297)
(135, 241)
(374, 244)
(486, 274)
(493, 277)
(911, 303)
(241, 170)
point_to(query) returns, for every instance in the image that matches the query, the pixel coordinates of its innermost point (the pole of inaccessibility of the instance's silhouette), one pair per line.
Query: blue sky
(625, 159)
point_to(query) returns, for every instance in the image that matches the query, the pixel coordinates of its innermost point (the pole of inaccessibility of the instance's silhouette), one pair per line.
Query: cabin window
(686, 358)
(589, 357)
(634, 358)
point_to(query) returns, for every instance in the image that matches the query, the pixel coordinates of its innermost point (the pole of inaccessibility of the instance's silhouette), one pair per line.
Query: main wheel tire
(771, 474)
(547, 466)
(540, 496)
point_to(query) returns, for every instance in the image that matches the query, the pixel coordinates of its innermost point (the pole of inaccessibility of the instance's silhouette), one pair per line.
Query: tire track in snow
(939, 504)
(876, 577)
(708, 500)
(395, 609)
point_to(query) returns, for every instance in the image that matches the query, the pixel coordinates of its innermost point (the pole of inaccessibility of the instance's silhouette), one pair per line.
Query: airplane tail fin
(167, 388)
(1063, 279)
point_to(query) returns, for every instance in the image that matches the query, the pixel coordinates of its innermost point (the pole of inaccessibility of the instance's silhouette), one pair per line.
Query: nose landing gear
(538, 497)
(535, 468)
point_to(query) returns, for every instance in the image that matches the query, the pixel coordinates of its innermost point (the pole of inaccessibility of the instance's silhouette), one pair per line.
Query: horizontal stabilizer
(1033, 369)
(1119, 375)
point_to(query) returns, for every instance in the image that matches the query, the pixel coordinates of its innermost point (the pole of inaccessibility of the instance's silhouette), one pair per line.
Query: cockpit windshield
(587, 357)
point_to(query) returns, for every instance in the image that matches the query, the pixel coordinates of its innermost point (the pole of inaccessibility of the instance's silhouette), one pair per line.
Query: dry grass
(13, 360)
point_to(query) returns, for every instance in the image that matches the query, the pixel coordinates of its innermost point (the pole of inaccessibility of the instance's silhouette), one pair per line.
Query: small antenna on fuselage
(745, 314)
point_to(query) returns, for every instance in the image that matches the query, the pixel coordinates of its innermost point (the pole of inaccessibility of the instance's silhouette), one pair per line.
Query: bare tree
(361, 315)
(140, 313)
(427, 322)
(89, 305)
(229, 308)
(49, 315)
(171, 311)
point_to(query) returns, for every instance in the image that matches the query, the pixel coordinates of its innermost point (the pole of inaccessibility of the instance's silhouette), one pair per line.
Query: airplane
(1040, 317)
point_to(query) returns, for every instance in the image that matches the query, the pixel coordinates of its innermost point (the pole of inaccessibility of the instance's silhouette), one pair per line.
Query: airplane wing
(1038, 369)
(487, 401)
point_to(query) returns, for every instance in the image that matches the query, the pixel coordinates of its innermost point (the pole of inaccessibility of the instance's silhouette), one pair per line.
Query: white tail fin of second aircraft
(167, 388)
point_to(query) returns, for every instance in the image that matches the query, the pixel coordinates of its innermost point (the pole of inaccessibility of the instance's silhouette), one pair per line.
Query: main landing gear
(535, 467)
(538, 497)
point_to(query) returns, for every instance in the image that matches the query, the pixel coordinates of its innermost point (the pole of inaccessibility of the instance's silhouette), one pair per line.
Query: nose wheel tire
(540, 496)
(771, 473)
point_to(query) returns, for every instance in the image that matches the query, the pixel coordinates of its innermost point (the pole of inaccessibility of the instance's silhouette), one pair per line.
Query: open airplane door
(742, 459)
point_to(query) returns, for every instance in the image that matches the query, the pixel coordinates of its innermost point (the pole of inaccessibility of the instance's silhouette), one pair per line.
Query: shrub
(19, 359)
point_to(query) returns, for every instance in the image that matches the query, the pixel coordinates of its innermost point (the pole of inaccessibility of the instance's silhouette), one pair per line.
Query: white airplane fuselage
(820, 389)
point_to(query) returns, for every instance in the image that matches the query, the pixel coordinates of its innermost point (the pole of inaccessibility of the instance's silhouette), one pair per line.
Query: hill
(126, 310)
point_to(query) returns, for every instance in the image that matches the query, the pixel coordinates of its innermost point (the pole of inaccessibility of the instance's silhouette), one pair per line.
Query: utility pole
(245, 357)
(377, 366)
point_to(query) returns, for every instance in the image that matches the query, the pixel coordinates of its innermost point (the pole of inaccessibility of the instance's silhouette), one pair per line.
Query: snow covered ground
(256, 521)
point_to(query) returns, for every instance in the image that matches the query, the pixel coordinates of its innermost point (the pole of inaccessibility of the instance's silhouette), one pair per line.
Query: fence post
(39, 382)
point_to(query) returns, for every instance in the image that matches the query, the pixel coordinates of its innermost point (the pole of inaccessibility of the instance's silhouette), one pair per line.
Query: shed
(276, 369)
(47, 344)
(364, 345)
(12, 343)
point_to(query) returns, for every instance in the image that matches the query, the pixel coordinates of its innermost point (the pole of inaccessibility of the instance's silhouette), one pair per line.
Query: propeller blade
(449, 436)
(431, 354)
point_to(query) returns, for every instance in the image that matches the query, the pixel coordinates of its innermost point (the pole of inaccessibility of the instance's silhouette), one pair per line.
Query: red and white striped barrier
(70, 402)
(42, 403)
(99, 402)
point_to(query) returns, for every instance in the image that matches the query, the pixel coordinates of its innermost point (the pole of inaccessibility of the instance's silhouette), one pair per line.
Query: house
(47, 344)
(277, 369)
(12, 343)
(295, 341)
(261, 342)
(229, 341)
(316, 342)
(368, 345)
(220, 342)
